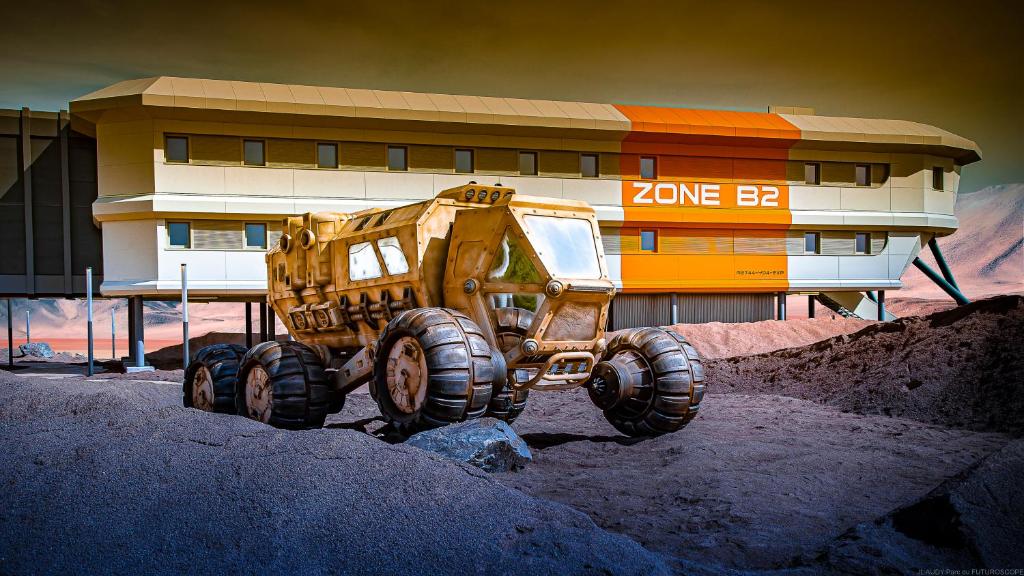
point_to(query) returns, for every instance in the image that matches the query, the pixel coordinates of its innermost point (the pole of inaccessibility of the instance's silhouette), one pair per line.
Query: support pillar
(780, 313)
(136, 335)
(271, 324)
(131, 331)
(675, 308)
(248, 324)
(881, 305)
(810, 306)
(263, 322)
(10, 336)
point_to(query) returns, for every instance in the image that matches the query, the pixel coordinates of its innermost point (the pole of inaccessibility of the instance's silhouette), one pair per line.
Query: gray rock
(974, 520)
(116, 477)
(37, 349)
(486, 443)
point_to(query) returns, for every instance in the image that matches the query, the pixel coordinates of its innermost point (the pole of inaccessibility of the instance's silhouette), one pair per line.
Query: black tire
(671, 382)
(459, 369)
(221, 362)
(300, 392)
(507, 403)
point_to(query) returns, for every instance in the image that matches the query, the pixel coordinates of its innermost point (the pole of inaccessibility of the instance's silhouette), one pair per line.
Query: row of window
(254, 154)
(812, 242)
(254, 236)
(862, 175)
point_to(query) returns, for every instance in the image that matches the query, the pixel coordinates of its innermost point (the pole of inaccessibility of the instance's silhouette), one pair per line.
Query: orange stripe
(698, 147)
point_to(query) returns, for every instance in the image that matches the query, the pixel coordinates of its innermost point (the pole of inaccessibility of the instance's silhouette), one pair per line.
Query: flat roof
(601, 121)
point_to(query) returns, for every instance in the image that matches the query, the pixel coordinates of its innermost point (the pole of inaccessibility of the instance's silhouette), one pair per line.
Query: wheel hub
(259, 395)
(624, 376)
(406, 375)
(202, 390)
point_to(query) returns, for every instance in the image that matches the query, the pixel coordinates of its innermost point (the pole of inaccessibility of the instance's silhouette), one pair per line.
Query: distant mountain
(986, 253)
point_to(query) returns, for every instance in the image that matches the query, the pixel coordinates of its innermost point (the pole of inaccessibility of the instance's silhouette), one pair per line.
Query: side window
(362, 262)
(176, 149)
(812, 243)
(512, 264)
(394, 258)
(179, 235)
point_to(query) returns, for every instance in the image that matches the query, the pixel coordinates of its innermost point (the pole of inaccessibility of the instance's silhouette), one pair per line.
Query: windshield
(565, 245)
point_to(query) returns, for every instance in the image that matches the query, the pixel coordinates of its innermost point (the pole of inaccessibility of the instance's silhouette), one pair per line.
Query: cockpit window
(362, 262)
(394, 259)
(565, 245)
(512, 264)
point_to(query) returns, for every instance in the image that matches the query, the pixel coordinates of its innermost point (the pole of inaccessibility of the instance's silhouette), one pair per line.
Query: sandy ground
(116, 477)
(753, 482)
(804, 460)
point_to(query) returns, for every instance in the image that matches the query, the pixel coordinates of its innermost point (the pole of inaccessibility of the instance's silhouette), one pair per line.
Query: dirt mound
(169, 357)
(974, 520)
(961, 368)
(118, 478)
(718, 340)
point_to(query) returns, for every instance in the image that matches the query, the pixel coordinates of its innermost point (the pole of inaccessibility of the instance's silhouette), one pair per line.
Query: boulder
(974, 520)
(489, 444)
(37, 349)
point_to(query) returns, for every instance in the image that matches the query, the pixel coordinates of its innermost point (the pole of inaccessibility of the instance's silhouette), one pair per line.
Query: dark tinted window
(179, 235)
(588, 165)
(256, 236)
(863, 175)
(176, 149)
(937, 178)
(648, 240)
(812, 173)
(463, 161)
(811, 243)
(648, 168)
(863, 243)
(528, 163)
(254, 153)
(397, 158)
(327, 155)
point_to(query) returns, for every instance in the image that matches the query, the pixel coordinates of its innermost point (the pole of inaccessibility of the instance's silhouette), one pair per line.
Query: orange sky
(953, 64)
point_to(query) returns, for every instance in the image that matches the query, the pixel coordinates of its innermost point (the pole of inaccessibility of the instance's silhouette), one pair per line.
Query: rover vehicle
(449, 309)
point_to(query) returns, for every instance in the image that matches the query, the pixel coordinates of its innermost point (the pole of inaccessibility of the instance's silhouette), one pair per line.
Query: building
(706, 215)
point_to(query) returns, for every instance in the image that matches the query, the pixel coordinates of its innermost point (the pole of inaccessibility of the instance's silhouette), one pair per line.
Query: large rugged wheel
(650, 382)
(284, 384)
(507, 403)
(210, 378)
(432, 367)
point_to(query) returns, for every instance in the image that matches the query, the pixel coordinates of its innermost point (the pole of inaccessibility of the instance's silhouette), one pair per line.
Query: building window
(862, 244)
(326, 155)
(812, 173)
(398, 158)
(528, 163)
(254, 153)
(648, 168)
(256, 236)
(176, 149)
(863, 174)
(463, 161)
(812, 243)
(937, 178)
(179, 234)
(588, 165)
(648, 241)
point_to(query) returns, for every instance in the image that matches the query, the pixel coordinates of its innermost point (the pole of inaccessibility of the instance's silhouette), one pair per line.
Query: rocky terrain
(885, 450)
